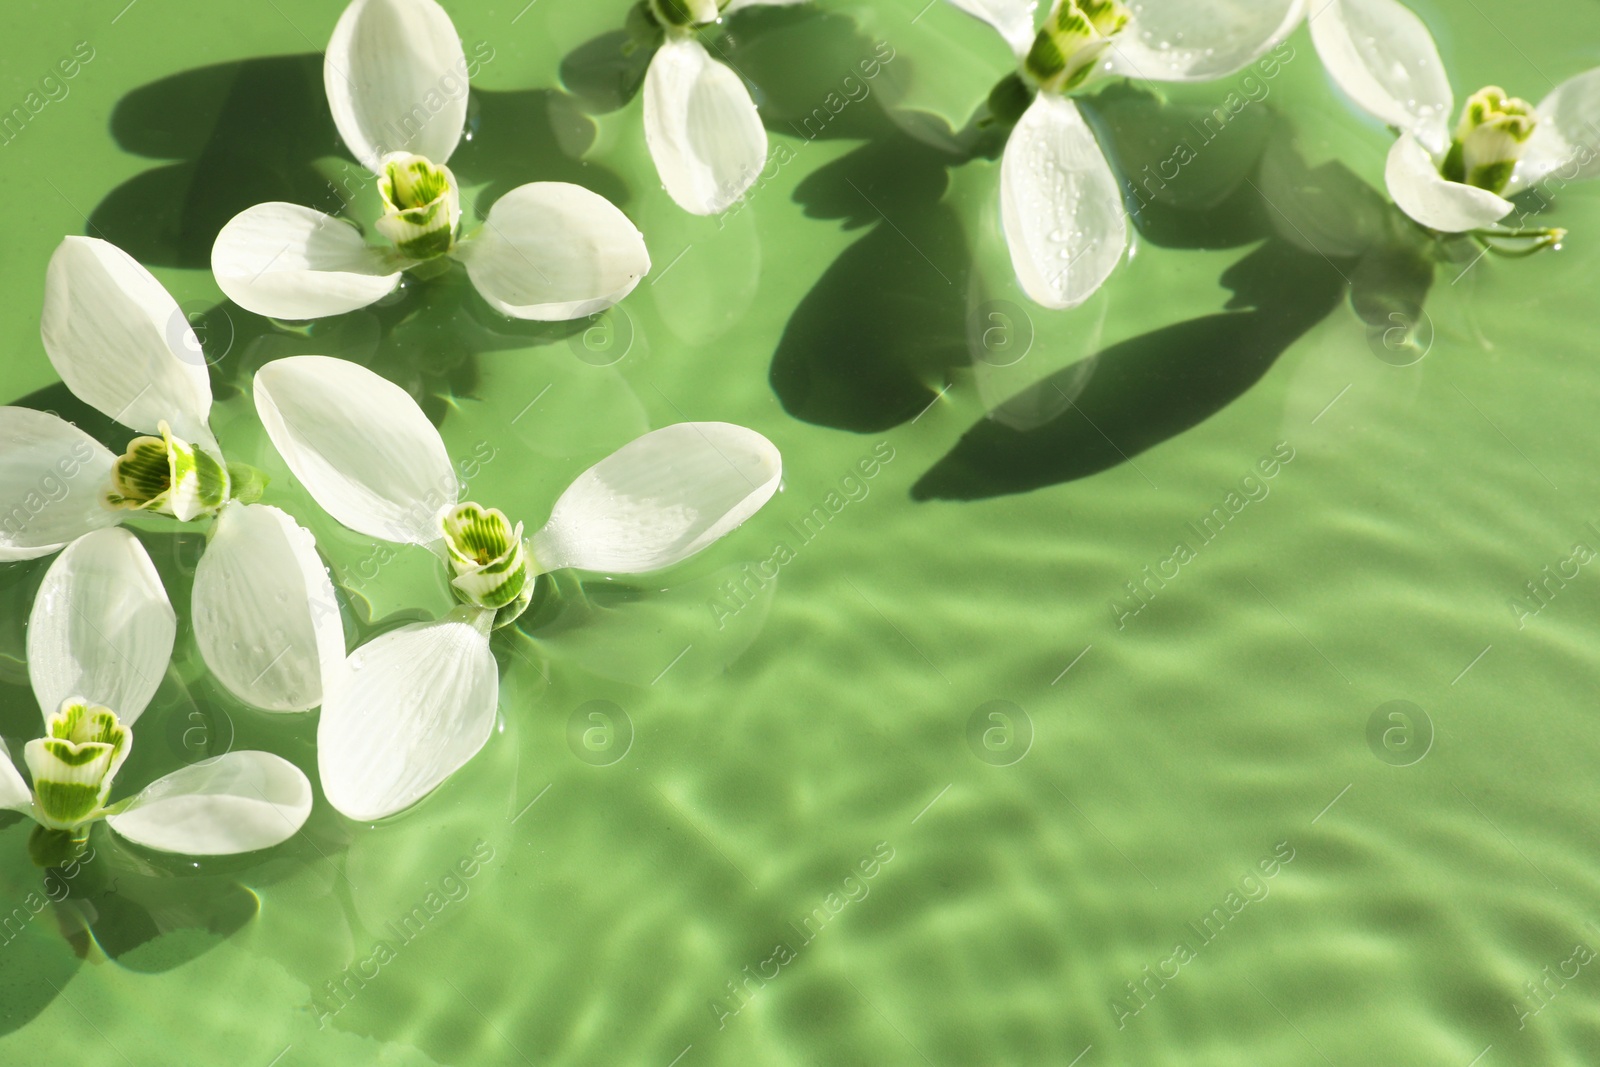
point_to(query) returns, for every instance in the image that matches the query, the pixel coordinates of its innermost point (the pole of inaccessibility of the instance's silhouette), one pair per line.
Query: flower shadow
(1146, 390)
(607, 72)
(887, 317)
(148, 912)
(236, 134)
(39, 962)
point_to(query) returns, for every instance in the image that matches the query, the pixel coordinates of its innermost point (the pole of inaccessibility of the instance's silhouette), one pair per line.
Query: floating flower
(1454, 180)
(414, 704)
(396, 77)
(100, 636)
(1060, 204)
(264, 613)
(700, 123)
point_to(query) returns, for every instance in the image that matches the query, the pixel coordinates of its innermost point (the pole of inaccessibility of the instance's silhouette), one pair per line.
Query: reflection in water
(692, 630)
(1186, 175)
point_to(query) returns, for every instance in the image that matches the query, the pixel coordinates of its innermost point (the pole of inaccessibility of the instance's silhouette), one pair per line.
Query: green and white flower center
(423, 205)
(1072, 41)
(687, 13)
(74, 763)
(1489, 140)
(167, 476)
(488, 561)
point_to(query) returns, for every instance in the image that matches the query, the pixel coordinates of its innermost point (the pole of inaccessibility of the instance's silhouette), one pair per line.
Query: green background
(758, 756)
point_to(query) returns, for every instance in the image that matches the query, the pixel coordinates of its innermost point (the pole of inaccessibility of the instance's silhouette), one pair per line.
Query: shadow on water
(236, 134)
(887, 317)
(1319, 235)
(883, 328)
(1149, 389)
(607, 73)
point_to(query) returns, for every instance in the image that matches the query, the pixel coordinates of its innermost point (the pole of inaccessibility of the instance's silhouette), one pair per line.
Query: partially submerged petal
(1060, 205)
(396, 79)
(238, 802)
(1198, 40)
(554, 251)
(14, 792)
(121, 343)
(285, 261)
(1423, 193)
(51, 476)
(409, 709)
(1014, 19)
(703, 130)
(660, 499)
(1566, 141)
(264, 611)
(1382, 55)
(101, 628)
(359, 444)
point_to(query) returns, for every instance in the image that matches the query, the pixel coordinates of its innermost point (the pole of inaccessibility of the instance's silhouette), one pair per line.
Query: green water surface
(1045, 717)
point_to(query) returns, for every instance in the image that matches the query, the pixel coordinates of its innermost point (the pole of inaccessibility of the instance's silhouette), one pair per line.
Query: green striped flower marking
(1490, 139)
(74, 763)
(423, 205)
(1074, 37)
(488, 561)
(168, 476)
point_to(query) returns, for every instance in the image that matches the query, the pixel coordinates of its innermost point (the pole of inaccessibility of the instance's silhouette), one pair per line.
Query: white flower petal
(285, 261)
(1423, 193)
(1060, 205)
(51, 475)
(659, 499)
(264, 612)
(359, 444)
(101, 627)
(1566, 141)
(14, 793)
(1013, 18)
(1198, 40)
(554, 251)
(702, 128)
(1382, 55)
(238, 802)
(410, 707)
(396, 79)
(121, 343)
